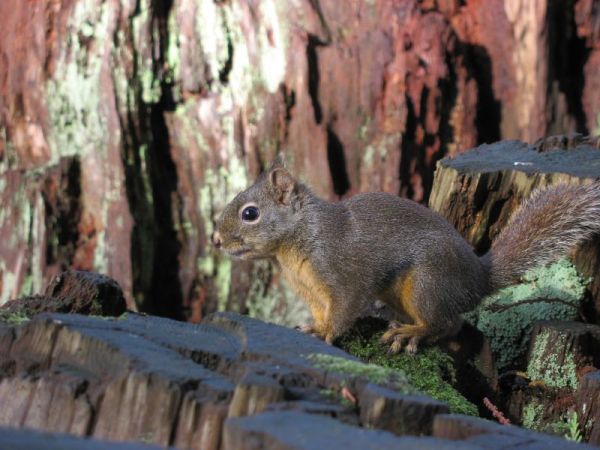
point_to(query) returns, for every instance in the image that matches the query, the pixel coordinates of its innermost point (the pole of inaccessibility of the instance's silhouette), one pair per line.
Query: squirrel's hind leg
(404, 298)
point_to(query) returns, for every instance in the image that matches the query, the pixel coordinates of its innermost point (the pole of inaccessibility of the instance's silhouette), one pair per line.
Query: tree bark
(126, 126)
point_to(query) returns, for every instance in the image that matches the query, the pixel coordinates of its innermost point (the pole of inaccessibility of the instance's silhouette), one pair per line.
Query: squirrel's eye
(250, 214)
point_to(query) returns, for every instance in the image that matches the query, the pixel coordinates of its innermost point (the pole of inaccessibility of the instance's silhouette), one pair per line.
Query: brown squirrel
(340, 257)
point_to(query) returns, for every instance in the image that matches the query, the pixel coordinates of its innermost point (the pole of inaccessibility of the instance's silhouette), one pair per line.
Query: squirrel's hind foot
(397, 334)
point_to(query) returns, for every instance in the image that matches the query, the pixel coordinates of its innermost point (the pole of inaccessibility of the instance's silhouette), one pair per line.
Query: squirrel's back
(384, 236)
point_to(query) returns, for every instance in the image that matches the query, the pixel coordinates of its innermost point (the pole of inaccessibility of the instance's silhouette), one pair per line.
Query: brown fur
(401, 296)
(545, 227)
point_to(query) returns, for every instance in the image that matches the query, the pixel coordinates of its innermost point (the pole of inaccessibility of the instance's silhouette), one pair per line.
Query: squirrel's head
(256, 222)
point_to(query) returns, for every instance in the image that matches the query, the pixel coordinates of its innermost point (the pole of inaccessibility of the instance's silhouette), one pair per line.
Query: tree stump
(478, 191)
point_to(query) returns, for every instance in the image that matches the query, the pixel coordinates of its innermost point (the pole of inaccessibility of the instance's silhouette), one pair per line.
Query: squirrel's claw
(395, 336)
(396, 346)
(412, 346)
(306, 328)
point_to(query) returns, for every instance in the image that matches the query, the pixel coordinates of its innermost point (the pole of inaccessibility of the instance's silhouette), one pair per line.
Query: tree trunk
(126, 126)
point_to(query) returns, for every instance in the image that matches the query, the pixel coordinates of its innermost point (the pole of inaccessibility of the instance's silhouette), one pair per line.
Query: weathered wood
(478, 190)
(492, 435)
(156, 380)
(400, 414)
(11, 439)
(171, 383)
(295, 431)
(73, 291)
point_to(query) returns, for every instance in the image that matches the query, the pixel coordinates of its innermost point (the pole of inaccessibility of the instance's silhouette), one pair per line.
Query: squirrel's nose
(216, 238)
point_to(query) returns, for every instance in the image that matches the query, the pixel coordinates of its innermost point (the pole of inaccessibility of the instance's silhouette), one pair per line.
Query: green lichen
(544, 366)
(533, 415)
(75, 108)
(144, 37)
(212, 29)
(13, 318)
(378, 151)
(431, 371)
(506, 318)
(356, 369)
(173, 58)
(597, 132)
(241, 75)
(223, 282)
(27, 286)
(278, 306)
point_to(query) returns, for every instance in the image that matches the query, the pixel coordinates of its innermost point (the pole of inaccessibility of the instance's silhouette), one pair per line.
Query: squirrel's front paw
(306, 328)
(310, 329)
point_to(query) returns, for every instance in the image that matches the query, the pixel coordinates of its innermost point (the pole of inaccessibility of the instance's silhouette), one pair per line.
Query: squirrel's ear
(278, 163)
(283, 183)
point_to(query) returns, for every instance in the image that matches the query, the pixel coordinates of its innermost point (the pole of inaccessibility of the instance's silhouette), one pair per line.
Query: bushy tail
(545, 227)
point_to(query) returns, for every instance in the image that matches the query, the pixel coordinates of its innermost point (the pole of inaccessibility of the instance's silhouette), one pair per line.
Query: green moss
(506, 318)
(544, 366)
(13, 318)
(372, 372)
(597, 132)
(431, 371)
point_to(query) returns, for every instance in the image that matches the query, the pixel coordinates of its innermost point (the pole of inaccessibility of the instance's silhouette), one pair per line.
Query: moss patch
(13, 318)
(431, 371)
(356, 369)
(506, 318)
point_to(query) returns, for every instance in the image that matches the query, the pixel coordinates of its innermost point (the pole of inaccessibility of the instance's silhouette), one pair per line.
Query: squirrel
(342, 256)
